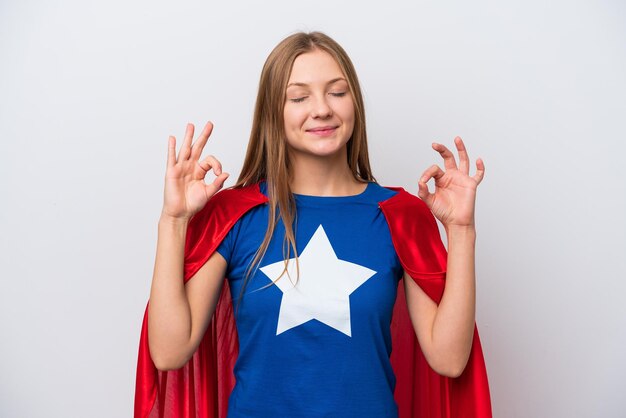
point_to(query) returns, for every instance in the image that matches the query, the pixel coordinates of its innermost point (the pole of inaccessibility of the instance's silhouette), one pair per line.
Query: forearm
(453, 326)
(169, 315)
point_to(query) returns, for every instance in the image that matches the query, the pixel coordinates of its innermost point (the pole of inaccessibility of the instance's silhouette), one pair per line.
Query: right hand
(186, 193)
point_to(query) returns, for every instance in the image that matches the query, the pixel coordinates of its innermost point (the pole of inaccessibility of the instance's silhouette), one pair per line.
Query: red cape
(201, 388)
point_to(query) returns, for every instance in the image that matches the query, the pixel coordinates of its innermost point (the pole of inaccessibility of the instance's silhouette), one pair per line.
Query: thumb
(423, 192)
(217, 184)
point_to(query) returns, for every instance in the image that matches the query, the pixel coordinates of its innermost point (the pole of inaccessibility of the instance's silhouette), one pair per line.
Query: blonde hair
(267, 154)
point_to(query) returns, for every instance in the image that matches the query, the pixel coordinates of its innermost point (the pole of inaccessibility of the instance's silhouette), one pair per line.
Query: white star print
(323, 289)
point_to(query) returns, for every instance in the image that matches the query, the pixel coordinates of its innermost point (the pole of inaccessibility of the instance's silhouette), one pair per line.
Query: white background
(89, 92)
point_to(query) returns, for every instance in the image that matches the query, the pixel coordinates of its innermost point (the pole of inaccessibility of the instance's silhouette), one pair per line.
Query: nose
(320, 109)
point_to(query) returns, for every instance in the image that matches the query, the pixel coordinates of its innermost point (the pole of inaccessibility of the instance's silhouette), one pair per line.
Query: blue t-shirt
(315, 344)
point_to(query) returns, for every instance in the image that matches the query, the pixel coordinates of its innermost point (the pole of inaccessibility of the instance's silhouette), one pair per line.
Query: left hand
(455, 190)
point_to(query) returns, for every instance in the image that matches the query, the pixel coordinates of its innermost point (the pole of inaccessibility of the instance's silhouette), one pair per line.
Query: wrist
(168, 220)
(468, 231)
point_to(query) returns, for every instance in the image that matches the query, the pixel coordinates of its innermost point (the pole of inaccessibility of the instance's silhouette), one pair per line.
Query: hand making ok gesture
(185, 189)
(455, 190)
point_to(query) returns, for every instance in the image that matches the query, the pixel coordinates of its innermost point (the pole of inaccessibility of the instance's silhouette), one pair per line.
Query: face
(319, 111)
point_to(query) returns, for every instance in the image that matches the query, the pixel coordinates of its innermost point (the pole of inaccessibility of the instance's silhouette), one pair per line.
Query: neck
(317, 176)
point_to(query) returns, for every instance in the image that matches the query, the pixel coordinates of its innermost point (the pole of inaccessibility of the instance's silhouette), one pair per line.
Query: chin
(313, 146)
(326, 150)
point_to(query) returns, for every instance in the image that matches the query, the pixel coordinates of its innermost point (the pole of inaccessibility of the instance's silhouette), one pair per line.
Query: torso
(321, 347)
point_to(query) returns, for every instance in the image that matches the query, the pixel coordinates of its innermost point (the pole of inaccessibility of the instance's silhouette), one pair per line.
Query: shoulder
(377, 193)
(239, 196)
(230, 204)
(403, 203)
(415, 235)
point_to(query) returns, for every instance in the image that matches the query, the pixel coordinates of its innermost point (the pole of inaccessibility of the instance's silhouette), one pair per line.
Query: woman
(314, 251)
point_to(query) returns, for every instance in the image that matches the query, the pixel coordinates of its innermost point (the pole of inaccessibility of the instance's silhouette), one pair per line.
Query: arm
(445, 331)
(178, 314)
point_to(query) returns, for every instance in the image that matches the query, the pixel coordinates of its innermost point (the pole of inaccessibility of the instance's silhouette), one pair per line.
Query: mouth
(322, 130)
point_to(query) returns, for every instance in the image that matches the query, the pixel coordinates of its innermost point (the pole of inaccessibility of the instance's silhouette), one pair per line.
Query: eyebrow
(334, 80)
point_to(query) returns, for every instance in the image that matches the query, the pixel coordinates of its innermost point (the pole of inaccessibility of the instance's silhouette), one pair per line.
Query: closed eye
(338, 94)
(298, 99)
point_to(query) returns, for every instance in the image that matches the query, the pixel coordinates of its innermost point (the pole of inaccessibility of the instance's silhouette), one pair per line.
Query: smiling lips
(322, 130)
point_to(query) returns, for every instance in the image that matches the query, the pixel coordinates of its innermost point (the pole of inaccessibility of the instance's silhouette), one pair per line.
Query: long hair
(267, 155)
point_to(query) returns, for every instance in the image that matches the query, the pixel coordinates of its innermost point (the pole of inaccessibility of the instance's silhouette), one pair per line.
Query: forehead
(314, 67)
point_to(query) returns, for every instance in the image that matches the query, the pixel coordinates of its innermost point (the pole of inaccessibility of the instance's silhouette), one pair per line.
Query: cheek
(347, 109)
(292, 118)
(348, 114)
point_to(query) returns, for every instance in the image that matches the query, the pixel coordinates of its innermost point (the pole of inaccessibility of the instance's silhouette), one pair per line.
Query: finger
(463, 157)
(211, 162)
(217, 184)
(434, 171)
(171, 151)
(423, 192)
(480, 170)
(446, 154)
(185, 150)
(196, 149)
